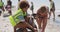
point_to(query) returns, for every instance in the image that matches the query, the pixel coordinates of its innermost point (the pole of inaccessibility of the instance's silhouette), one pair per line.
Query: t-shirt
(8, 7)
(52, 4)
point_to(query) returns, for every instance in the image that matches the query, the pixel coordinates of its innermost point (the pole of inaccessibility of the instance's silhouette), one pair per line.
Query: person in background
(21, 17)
(33, 14)
(9, 2)
(18, 3)
(41, 17)
(1, 7)
(52, 9)
(9, 6)
(32, 8)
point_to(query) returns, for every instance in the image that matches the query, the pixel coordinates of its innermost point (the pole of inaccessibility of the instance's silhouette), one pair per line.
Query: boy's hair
(24, 4)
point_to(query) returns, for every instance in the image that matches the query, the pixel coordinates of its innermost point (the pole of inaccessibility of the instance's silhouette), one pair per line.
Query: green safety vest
(15, 19)
(1, 4)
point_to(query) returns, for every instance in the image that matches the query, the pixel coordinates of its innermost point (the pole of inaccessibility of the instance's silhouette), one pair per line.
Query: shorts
(52, 9)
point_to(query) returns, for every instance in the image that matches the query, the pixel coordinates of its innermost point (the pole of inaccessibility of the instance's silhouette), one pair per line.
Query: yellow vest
(15, 19)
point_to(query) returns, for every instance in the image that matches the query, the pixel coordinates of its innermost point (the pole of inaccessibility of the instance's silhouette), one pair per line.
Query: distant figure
(32, 20)
(52, 9)
(18, 3)
(32, 7)
(41, 17)
(1, 7)
(9, 6)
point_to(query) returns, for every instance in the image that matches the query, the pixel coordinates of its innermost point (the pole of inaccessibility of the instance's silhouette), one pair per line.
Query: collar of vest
(20, 9)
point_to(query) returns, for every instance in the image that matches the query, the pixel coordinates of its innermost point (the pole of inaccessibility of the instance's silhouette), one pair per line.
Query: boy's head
(24, 5)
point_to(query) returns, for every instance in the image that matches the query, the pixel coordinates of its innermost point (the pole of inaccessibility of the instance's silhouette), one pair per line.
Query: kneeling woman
(42, 15)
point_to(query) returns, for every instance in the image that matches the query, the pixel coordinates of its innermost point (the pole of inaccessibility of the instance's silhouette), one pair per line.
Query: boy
(20, 18)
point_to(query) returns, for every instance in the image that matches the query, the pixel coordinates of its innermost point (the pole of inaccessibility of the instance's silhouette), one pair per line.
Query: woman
(21, 17)
(42, 15)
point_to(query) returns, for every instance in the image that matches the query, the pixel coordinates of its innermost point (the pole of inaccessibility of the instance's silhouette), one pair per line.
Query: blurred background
(52, 26)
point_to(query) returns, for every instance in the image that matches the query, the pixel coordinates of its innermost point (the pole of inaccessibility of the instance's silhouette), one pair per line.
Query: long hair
(43, 9)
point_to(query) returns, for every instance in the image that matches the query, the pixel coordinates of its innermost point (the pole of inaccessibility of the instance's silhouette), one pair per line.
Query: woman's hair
(24, 4)
(43, 8)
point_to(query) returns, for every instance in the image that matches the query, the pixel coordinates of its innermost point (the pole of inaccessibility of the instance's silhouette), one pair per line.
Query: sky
(38, 3)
